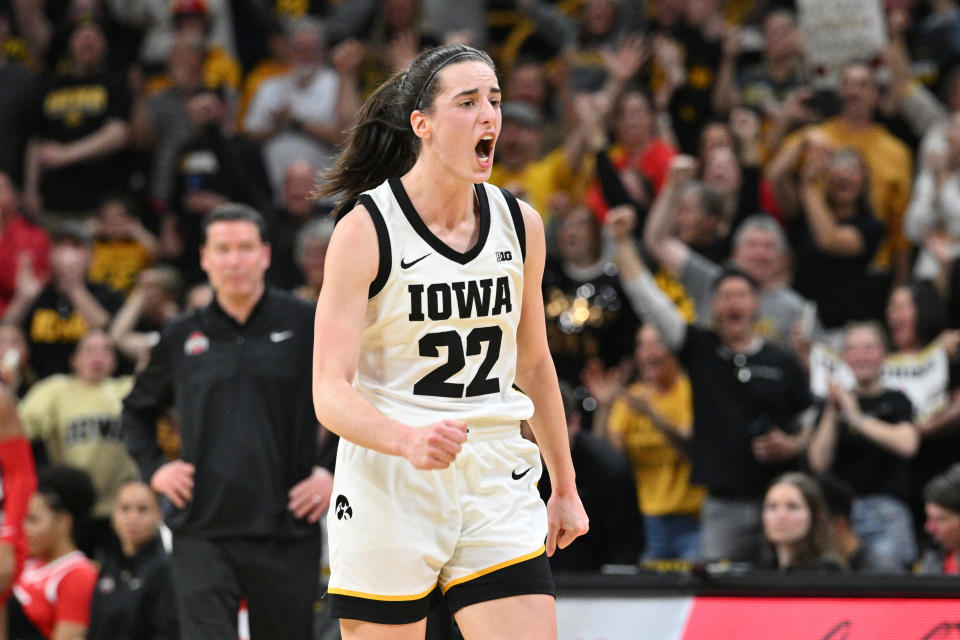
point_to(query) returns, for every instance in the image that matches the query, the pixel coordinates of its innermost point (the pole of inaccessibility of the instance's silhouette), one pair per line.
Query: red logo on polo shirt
(196, 344)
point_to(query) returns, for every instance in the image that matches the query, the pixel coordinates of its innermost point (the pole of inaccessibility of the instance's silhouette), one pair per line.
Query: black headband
(453, 58)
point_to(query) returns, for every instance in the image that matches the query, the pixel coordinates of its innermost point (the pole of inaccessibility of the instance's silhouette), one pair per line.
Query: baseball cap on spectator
(190, 7)
(521, 113)
(71, 231)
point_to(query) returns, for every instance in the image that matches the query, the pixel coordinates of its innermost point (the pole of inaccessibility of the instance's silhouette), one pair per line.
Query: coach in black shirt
(247, 498)
(747, 396)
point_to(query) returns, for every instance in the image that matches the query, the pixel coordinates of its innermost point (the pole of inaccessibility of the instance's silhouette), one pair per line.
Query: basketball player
(430, 310)
(19, 480)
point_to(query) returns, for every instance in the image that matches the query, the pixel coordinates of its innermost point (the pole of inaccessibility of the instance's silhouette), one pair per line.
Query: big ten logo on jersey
(467, 299)
(504, 256)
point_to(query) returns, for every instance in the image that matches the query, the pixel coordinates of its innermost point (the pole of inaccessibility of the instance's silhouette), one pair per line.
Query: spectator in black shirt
(747, 396)
(17, 86)
(587, 315)
(834, 233)
(866, 437)
(246, 495)
(75, 153)
(213, 167)
(134, 599)
(297, 209)
(56, 315)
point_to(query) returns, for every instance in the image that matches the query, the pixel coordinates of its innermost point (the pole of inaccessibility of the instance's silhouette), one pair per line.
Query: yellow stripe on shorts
(374, 596)
(495, 567)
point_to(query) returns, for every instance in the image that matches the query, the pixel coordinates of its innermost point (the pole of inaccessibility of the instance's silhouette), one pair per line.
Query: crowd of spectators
(752, 291)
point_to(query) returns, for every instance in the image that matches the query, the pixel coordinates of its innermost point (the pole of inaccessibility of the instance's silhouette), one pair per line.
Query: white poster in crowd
(837, 31)
(923, 376)
(612, 618)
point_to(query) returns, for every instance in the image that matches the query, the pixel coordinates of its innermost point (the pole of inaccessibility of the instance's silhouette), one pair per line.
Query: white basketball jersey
(440, 337)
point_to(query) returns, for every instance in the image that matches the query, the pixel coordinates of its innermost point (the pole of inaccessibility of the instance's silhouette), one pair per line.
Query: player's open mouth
(484, 148)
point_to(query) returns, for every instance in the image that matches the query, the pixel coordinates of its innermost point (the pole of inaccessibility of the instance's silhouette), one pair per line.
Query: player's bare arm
(537, 377)
(341, 309)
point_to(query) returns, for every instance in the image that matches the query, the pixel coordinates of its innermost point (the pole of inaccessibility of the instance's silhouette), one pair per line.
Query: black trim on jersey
(382, 611)
(424, 232)
(383, 242)
(527, 577)
(518, 225)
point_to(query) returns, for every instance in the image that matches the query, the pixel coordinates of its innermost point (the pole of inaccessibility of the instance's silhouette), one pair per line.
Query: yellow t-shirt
(116, 264)
(220, 69)
(890, 166)
(263, 71)
(539, 181)
(662, 474)
(79, 424)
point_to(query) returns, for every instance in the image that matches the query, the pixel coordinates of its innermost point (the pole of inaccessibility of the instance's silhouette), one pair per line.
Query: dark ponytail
(381, 143)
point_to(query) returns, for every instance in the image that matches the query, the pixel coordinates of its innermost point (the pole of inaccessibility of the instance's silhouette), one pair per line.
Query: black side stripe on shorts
(527, 577)
(383, 242)
(382, 611)
(517, 221)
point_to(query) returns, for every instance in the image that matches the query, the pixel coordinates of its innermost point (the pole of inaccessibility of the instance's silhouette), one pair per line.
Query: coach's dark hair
(381, 142)
(733, 271)
(235, 211)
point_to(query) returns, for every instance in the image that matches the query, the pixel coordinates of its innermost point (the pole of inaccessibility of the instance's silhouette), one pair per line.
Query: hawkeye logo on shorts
(504, 256)
(343, 509)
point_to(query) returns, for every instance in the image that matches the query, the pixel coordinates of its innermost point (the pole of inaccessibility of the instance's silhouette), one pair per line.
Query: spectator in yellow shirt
(122, 246)
(652, 422)
(220, 67)
(77, 418)
(888, 160)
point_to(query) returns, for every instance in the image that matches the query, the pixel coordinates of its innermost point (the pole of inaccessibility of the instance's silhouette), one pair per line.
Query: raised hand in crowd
(683, 169)
(621, 221)
(794, 111)
(669, 57)
(29, 285)
(745, 126)
(604, 385)
(623, 62)
(816, 156)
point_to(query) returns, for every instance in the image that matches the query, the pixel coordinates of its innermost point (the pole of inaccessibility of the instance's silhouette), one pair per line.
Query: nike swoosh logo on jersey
(280, 336)
(406, 265)
(517, 476)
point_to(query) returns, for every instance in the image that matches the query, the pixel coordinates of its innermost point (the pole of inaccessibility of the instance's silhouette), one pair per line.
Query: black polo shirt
(134, 597)
(244, 401)
(737, 397)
